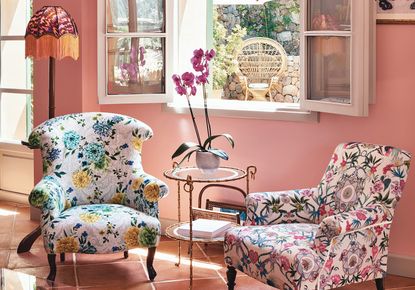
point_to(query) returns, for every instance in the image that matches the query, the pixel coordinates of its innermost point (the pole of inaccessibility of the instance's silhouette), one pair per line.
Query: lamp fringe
(50, 46)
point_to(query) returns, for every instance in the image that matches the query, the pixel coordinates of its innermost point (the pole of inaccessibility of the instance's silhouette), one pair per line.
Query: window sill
(250, 110)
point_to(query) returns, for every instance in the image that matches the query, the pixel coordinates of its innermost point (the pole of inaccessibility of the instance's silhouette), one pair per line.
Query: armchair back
(362, 175)
(96, 157)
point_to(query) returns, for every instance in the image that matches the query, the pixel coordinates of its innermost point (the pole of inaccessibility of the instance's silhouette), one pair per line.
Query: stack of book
(204, 228)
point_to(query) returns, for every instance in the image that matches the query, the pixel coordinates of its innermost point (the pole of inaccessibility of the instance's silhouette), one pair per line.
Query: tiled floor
(115, 272)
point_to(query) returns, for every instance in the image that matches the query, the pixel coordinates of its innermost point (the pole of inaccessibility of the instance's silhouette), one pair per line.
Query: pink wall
(288, 155)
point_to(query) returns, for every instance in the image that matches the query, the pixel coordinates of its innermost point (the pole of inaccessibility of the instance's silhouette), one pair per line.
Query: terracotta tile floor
(114, 272)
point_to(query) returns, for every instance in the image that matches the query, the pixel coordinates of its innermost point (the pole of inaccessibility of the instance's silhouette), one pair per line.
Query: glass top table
(222, 174)
(13, 280)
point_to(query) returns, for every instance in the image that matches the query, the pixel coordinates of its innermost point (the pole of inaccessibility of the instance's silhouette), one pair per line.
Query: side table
(191, 175)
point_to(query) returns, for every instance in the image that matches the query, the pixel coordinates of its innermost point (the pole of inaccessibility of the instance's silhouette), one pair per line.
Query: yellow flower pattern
(131, 237)
(90, 218)
(136, 183)
(137, 143)
(118, 198)
(152, 192)
(67, 245)
(81, 179)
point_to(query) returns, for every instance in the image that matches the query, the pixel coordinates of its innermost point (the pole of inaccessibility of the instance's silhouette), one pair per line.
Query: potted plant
(207, 157)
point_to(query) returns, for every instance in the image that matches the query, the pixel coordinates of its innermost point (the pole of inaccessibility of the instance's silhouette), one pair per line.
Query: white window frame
(363, 60)
(27, 92)
(168, 35)
(306, 110)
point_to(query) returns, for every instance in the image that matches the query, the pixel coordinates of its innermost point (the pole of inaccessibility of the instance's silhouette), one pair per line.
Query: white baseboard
(401, 265)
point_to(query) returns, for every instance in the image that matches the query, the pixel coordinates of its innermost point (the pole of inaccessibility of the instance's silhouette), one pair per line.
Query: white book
(204, 228)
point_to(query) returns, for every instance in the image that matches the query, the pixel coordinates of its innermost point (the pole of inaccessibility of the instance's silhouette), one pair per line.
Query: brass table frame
(188, 187)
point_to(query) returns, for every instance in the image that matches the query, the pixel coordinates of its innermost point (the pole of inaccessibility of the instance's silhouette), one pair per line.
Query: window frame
(362, 60)
(27, 92)
(103, 35)
(307, 110)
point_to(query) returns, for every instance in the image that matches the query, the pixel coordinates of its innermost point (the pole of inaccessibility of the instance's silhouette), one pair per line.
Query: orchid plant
(186, 85)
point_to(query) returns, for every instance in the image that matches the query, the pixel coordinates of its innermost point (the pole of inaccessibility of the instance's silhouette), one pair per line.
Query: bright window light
(173, 259)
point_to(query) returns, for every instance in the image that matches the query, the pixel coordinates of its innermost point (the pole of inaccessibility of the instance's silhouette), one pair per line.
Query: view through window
(16, 86)
(258, 50)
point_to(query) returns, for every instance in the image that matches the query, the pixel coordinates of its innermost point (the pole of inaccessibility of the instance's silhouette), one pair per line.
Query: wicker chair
(261, 61)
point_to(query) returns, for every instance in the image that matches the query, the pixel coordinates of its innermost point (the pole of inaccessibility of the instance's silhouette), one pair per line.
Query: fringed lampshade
(52, 32)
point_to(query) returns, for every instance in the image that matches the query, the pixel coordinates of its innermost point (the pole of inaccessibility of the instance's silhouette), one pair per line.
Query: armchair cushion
(270, 208)
(100, 228)
(277, 255)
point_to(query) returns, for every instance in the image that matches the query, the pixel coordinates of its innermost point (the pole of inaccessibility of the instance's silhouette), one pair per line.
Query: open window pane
(135, 16)
(16, 71)
(257, 45)
(14, 16)
(329, 15)
(329, 69)
(13, 116)
(136, 65)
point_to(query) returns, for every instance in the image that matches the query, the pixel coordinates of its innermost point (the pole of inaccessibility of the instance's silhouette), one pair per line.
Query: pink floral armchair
(324, 237)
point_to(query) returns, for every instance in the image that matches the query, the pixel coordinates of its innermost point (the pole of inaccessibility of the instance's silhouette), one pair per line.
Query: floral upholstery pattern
(338, 232)
(94, 195)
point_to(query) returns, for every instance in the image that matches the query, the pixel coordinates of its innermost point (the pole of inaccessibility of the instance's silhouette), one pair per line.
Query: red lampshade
(52, 32)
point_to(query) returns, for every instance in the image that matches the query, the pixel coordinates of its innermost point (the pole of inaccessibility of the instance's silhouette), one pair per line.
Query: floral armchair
(94, 196)
(328, 236)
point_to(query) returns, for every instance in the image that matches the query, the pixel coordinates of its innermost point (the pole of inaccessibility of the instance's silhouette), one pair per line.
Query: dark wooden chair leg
(27, 242)
(52, 266)
(62, 256)
(150, 258)
(379, 284)
(125, 254)
(231, 276)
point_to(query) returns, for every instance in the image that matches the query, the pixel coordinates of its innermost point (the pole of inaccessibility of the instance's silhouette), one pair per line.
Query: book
(204, 228)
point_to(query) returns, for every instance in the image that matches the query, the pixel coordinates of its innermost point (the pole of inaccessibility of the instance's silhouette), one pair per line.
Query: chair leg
(379, 284)
(125, 254)
(52, 266)
(62, 257)
(231, 276)
(150, 258)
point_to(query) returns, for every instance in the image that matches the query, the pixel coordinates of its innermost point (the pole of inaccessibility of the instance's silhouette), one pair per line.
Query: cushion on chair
(274, 254)
(100, 228)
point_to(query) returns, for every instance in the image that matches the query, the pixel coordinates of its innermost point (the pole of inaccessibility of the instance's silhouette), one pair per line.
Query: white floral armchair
(94, 195)
(324, 237)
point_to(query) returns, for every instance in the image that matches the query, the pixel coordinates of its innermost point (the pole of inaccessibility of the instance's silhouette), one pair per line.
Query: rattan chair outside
(262, 61)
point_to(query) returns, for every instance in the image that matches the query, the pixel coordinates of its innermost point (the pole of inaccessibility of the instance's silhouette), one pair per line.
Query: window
(273, 56)
(135, 50)
(16, 86)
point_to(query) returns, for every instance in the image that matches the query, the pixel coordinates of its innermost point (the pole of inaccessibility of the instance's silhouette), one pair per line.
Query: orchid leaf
(211, 138)
(184, 147)
(187, 156)
(220, 153)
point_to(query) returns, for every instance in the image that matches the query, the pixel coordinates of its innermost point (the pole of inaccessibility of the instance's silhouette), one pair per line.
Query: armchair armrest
(145, 192)
(49, 197)
(346, 222)
(267, 208)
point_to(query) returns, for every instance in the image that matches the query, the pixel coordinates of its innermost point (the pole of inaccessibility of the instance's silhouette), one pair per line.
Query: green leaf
(184, 147)
(220, 153)
(211, 138)
(187, 156)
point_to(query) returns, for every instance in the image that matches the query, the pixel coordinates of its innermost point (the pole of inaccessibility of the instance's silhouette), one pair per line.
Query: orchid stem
(194, 121)
(208, 126)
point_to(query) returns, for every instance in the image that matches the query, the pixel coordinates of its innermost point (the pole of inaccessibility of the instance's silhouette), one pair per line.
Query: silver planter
(207, 162)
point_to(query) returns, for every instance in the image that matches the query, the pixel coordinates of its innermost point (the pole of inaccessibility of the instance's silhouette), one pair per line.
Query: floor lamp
(51, 33)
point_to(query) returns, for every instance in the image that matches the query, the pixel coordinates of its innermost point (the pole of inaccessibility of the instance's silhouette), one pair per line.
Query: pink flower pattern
(317, 238)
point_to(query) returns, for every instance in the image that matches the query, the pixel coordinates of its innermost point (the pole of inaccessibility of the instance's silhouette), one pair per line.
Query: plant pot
(207, 162)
